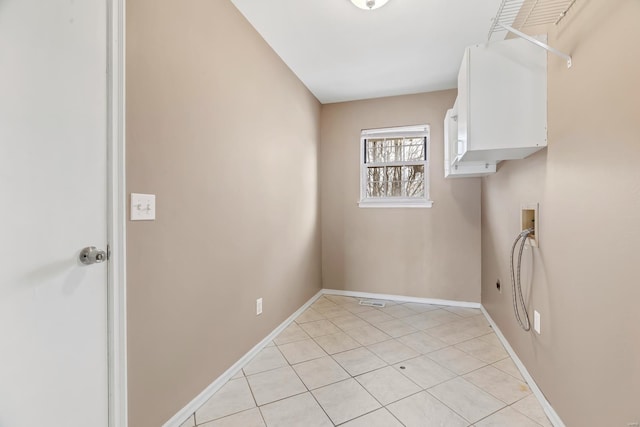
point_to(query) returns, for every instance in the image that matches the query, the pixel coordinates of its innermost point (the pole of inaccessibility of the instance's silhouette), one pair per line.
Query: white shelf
(520, 14)
(515, 15)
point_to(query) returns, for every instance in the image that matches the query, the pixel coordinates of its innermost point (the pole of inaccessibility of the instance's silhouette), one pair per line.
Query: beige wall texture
(418, 252)
(227, 138)
(584, 277)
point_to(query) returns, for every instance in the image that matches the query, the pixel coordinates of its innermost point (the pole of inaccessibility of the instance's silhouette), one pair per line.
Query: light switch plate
(536, 321)
(143, 207)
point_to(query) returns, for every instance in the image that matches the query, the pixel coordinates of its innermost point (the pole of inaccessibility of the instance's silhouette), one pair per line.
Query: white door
(53, 183)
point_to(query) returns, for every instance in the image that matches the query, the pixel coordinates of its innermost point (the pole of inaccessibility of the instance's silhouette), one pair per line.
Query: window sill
(387, 203)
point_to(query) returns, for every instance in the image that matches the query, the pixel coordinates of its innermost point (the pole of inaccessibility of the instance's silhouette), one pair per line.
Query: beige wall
(227, 138)
(430, 253)
(585, 275)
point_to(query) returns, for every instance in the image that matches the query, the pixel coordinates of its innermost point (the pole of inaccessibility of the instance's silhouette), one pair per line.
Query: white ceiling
(342, 53)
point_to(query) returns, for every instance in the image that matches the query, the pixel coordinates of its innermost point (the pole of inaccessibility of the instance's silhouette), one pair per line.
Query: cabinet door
(463, 105)
(448, 140)
(503, 85)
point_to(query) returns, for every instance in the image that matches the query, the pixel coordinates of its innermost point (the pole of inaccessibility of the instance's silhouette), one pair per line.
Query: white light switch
(143, 207)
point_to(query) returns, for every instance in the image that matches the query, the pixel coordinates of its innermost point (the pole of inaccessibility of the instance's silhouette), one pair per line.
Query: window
(394, 167)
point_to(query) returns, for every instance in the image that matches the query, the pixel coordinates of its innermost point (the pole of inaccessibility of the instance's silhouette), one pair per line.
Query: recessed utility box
(529, 219)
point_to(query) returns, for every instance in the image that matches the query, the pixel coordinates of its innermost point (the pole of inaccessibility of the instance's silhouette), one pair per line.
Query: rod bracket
(538, 43)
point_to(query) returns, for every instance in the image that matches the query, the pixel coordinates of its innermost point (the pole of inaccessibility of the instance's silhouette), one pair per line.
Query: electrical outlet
(258, 306)
(536, 321)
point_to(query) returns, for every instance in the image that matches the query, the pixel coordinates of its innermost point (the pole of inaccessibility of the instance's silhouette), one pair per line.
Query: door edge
(116, 216)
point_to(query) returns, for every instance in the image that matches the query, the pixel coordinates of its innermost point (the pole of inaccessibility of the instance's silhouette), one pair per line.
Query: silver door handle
(92, 255)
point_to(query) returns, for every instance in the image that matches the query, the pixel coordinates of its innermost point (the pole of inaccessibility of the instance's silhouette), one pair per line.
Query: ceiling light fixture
(369, 4)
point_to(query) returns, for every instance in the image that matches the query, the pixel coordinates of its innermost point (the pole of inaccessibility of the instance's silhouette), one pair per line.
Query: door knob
(92, 255)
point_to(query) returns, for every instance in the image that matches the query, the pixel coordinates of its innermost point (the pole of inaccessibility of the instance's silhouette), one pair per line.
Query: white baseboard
(207, 393)
(401, 298)
(546, 406)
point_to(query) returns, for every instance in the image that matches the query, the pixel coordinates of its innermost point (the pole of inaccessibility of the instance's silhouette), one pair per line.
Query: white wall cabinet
(502, 101)
(453, 166)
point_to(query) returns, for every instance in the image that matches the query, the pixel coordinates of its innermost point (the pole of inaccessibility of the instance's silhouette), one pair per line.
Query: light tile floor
(406, 364)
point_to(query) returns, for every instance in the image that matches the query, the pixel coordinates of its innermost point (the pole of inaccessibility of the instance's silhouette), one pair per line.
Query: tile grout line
(310, 393)
(421, 389)
(391, 365)
(491, 414)
(450, 408)
(314, 397)
(253, 396)
(419, 354)
(509, 406)
(366, 372)
(274, 401)
(523, 414)
(355, 378)
(262, 415)
(520, 378)
(486, 364)
(233, 413)
(435, 385)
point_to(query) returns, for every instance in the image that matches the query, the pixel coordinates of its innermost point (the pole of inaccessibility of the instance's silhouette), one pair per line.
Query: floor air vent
(371, 303)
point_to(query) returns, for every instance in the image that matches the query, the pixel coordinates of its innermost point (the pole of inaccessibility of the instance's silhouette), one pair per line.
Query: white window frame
(395, 202)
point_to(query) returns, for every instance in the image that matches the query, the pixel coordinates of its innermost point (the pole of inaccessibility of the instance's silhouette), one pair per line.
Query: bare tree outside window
(394, 164)
(386, 177)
